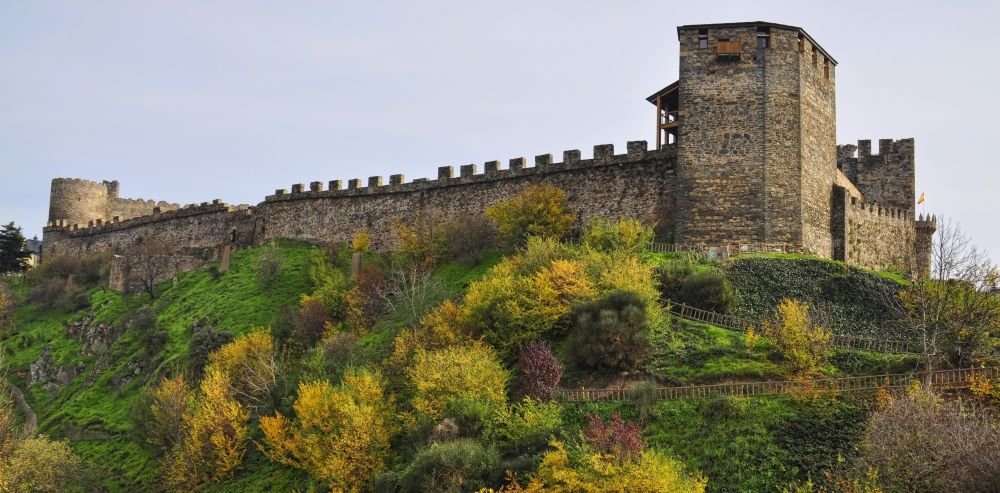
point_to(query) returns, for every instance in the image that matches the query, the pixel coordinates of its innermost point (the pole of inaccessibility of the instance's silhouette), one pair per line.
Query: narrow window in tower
(815, 54)
(703, 38)
(826, 68)
(802, 44)
(763, 37)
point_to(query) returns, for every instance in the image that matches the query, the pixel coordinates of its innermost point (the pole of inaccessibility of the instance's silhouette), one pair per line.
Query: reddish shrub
(539, 371)
(617, 438)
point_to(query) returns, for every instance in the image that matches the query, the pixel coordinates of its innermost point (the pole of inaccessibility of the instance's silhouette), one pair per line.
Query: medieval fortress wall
(754, 161)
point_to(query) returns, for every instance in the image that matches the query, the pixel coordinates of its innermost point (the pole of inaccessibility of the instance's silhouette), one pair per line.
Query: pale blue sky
(188, 101)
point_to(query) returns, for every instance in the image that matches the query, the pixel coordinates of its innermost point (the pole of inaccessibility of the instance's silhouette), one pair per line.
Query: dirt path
(30, 418)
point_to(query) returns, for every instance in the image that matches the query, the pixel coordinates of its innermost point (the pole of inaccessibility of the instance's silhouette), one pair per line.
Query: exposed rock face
(44, 372)
(95, 338)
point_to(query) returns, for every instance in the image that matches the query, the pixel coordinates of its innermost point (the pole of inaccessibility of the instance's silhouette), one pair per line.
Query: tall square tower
(756, 136)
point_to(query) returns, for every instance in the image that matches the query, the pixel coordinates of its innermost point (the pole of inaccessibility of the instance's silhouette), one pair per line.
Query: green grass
(697, 353)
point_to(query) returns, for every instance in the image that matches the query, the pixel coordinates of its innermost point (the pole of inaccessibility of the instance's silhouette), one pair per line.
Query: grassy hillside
(740, 444)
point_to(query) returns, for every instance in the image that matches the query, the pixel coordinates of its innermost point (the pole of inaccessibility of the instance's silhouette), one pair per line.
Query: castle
(745, 152)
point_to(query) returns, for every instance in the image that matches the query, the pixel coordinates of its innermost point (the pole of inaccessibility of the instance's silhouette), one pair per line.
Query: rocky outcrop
(96, 338)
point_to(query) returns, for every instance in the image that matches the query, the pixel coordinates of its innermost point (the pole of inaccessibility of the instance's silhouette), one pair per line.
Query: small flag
(921, 199)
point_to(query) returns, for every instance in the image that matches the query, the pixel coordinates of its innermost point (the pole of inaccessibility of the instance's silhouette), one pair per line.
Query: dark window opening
(703, 38)
(802, 43)
(763, 37)
(815, 54)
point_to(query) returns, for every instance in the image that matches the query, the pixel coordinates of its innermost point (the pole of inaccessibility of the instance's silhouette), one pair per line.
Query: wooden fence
(727, 250)
(838, 341)
(939, 378)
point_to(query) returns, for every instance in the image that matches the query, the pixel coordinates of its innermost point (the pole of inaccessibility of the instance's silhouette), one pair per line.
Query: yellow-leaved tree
(340, 435)
(444, 326)
(471, 372)
(800, 340)
(250, 365)
(540, 210)
(170, 400)
(214, 436)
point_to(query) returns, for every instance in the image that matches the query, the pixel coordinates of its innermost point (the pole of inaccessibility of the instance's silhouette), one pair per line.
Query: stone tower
(755, 135)
(76, 201)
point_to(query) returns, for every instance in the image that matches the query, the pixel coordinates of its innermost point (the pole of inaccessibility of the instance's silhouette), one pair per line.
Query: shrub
(455, 466)
(361, 242)
(525, 427)
(8, 305)
(62, 282)
(330, 285)
(652, 472)
(444, 326)
(40, 465)
(610, 334)
(340, 435)
(457, 372)
(269, 264)
(151, 337)
(423, 239)
(708, 290)
(802, 342)
(204, 340)
(619, 440)
(512, 309)
(364, 303)
(310, 323)
(539, 371)
(540, 210)
(469, 236)
(920, 442)
(623, 236)
(336, 352)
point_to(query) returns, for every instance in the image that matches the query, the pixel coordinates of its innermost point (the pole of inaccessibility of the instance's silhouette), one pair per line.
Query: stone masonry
(754, 161)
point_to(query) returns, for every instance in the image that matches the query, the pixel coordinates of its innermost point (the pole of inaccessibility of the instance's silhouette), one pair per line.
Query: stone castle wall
(817, 98)
(878, 237)
(639, 184)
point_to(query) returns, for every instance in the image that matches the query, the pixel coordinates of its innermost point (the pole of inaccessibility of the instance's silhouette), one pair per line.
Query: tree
(170, 401)
(801, 341)
(151, 261)
(213, 438)
(251, 368)
(921, 442)
(340, 435)
(950, 311)
(13, 256)
(629, 236)
(412, 289)
(540, 210)
(39, 464)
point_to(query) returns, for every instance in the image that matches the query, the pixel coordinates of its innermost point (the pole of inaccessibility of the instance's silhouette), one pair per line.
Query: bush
(456, 466)
(444, 326)
(250, 365)
(269, 264)
(540, 210)
(469, 236)
(539, 371)
(652, 472)
(423, 239)
(335, 353)
(167, 405)
(309, 325)
(364, 303)
(802, 342)
(40, 465)
(525, 428)
(330, 285)
(151, 338)
(8, 305)
(610, 334)
(63, 282)
(622, 441)
(457, 372)
(204, 341)
(708, 290)
(628, 236)
(340, 435)
(920, 442)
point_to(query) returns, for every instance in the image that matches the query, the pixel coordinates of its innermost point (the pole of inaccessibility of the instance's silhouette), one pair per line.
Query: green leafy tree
(611, 333)
(13, 256)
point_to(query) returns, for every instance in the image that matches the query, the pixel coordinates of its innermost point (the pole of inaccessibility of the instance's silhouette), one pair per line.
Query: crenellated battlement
(888, 177)
(99, 226)
(876, 209)
(162, 204)
(603, 155)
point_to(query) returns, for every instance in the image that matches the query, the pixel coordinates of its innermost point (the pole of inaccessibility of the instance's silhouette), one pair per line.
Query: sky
(188, 101)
